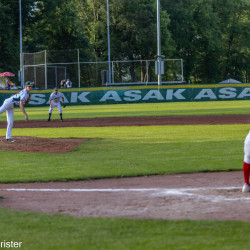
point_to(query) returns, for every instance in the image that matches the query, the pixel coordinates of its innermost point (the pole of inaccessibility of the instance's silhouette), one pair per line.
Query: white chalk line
(156, 192)
(114, 189)
(82, 189)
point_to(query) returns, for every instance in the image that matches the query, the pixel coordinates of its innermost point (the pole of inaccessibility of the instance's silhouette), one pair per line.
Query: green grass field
(146, 109)
(126, 151)
(57, 232)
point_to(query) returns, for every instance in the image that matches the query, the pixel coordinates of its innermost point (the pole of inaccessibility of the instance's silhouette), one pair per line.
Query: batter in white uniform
(246, 164)
(20, 99)
(54, 100)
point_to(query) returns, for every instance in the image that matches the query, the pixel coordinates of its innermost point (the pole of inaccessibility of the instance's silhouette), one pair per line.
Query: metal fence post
(147, 71)
(45, 69)
(79, 69)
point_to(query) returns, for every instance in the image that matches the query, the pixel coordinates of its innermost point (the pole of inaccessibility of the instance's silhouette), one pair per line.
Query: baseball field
(132, 176)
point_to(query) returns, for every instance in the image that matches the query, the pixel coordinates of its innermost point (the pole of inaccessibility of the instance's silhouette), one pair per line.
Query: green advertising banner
(140, 94)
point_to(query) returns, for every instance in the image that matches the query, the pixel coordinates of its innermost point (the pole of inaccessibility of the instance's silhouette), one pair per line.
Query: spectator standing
(63, 84)
(8, 83)
(68, 83)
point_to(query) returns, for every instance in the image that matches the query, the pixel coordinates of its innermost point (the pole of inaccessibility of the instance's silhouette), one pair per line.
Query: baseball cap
(29, 84)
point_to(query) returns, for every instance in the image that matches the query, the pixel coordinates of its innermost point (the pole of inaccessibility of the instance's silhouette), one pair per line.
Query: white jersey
(55, 97)
(8, 106)
(21, 96)
(69, 84)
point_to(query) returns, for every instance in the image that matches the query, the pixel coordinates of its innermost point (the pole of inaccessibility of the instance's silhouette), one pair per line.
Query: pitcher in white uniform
(20, 99)
(54, 100)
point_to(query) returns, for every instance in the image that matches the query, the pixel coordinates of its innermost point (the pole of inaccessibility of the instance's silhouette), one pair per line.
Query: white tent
(230, 81)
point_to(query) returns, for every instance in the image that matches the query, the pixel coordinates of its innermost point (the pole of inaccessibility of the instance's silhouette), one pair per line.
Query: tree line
(211, 36)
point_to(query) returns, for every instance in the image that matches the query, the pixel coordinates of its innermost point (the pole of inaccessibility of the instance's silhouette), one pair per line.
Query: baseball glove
(64, 105)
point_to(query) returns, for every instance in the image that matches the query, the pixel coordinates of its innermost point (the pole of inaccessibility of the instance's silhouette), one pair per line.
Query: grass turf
(128, 151)
(66, 232)
(144, 109)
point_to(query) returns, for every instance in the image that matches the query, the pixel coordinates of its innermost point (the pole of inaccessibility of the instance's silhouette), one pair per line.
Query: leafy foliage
(9, 32)
(211, 36)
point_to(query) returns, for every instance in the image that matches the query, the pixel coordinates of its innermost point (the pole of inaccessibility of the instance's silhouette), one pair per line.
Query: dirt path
(187, 196)
(135, 121)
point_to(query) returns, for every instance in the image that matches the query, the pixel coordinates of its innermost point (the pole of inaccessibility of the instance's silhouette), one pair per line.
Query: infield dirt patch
(195, 196)
(40, 145)
(135, 121)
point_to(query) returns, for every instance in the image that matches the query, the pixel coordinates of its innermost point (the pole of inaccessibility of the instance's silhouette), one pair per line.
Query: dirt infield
(40, 145)
(135, 121)
(188, 196)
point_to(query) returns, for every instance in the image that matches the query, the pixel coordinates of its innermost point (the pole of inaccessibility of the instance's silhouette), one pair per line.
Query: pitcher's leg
(10, 120)
(7, 104)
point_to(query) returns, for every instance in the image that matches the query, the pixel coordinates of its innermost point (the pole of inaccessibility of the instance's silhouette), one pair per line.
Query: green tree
(92, 20)
(132, 29)
(54, 26)
(195, 29)
(212, 37)
(7, 39)
(9, 33)
(235, 23)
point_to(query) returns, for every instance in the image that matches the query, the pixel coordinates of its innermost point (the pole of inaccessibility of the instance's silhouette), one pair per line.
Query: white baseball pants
(247, 149)
(8, 106)
(59, 107)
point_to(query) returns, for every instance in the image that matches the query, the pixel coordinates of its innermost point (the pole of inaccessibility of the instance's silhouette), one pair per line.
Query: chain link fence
(48, 68)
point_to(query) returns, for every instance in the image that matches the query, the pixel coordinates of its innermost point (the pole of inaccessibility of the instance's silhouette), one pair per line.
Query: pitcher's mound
(40, 145)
